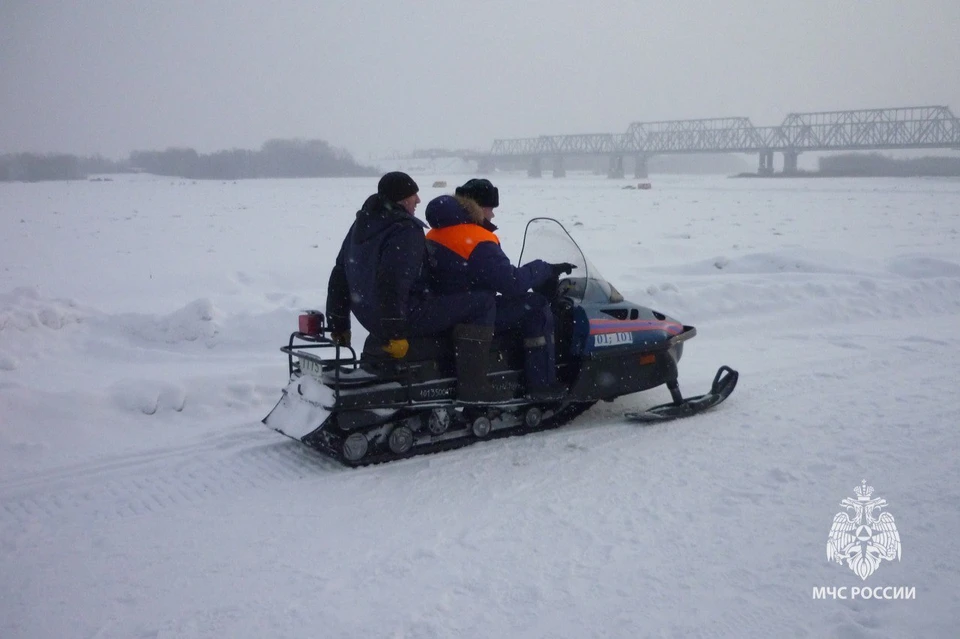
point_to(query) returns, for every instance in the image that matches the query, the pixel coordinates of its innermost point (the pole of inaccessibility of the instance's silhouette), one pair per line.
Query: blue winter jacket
(379, 272)
(465, 256)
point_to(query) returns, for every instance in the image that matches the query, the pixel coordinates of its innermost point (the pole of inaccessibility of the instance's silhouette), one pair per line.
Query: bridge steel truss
(904, 128)
(713, 135)
(581, 144)
(925, 127)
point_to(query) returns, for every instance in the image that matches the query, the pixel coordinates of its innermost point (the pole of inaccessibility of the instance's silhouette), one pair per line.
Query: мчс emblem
(860, 536)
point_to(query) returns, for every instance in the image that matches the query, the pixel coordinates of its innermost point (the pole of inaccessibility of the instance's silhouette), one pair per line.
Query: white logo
(863, 540)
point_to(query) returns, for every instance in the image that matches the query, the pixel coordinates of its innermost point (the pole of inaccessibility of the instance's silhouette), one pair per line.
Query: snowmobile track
(566, 415)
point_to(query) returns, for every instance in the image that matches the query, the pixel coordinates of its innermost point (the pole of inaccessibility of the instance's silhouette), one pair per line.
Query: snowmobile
(373, 408)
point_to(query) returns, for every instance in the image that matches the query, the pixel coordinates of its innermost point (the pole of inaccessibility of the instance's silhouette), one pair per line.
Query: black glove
(564, 268)
(340, 338)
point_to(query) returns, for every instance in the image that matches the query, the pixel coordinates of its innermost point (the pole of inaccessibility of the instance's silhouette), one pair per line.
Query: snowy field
(140, 321)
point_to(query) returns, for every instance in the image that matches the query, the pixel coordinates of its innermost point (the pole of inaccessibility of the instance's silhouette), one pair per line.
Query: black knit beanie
(396, 186)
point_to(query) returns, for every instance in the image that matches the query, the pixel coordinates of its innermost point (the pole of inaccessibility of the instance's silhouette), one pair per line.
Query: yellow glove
(397, 348)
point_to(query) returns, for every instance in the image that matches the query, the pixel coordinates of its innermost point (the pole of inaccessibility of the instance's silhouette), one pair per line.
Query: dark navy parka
(379, 273)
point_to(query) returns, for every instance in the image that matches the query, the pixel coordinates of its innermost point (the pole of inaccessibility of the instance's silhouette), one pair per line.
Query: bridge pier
(616, 167)
(640, 166)
(558, 168)
(535, 169)
(766, 163)
(790, 162)
(485, 166)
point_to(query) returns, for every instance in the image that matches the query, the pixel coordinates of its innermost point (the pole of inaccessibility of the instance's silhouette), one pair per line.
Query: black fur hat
(481, 191)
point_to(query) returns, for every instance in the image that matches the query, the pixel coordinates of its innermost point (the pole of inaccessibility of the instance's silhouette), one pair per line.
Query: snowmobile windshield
(546, 239)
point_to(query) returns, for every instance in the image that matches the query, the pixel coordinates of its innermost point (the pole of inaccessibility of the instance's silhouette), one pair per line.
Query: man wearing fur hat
(467, 257)
(380, 276)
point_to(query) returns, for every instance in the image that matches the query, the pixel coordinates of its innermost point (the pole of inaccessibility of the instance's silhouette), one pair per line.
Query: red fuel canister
(311, 323)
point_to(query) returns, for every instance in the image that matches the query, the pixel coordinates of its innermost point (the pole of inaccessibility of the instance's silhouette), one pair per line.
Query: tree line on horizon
(277, 158)
(879, 165)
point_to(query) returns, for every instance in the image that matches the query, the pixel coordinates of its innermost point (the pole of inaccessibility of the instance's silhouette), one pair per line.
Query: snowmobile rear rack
(317, 339)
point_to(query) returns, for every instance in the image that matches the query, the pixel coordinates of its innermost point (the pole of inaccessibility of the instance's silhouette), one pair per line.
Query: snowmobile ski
(723, 384)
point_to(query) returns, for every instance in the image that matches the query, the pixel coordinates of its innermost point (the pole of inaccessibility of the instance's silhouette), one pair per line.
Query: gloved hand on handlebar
(563, 268)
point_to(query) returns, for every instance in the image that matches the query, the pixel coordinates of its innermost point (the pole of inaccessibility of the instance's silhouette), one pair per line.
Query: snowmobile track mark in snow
(120, 488)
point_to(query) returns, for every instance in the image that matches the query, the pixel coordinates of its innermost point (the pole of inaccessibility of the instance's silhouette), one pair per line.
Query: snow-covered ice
(140, 496)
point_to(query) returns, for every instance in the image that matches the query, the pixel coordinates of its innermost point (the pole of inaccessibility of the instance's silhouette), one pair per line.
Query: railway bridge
(924, 127)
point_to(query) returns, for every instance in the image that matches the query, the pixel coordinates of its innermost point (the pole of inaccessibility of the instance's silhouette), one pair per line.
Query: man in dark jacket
(380, 277)
(466, 256)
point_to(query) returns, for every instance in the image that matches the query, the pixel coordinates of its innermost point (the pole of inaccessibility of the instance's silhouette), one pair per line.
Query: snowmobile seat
(421, 348)
(347, 376)
(432, 347)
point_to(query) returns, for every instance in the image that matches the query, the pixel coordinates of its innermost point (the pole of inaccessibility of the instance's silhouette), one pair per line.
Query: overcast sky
(379, 77)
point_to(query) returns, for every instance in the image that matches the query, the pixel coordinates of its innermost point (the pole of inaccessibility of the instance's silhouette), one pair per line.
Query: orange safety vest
(462, 238)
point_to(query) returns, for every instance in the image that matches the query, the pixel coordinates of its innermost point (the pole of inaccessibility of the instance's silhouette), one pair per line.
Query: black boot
(472, 345)
(551, 393)
(540, 370)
